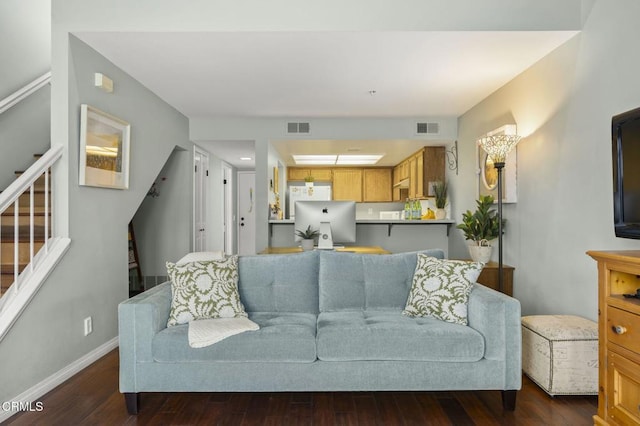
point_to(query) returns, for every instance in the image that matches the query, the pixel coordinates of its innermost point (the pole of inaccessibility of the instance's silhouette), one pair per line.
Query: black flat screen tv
(625, 136)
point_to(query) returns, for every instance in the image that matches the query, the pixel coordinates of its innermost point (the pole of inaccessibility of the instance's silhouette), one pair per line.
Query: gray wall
(92, 278)
(25, 48)
(563, 107)
(160, 224)
(25, 42)
(24, 130)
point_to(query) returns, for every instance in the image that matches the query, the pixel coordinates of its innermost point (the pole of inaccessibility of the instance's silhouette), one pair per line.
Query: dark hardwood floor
(92, 398)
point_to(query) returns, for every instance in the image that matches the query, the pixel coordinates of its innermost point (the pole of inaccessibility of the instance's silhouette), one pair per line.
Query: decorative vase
(441, 214)
(480, 253)
(307, 245)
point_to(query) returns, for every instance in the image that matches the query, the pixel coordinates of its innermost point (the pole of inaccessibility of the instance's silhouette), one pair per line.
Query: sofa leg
(509, 400)
(131, 399)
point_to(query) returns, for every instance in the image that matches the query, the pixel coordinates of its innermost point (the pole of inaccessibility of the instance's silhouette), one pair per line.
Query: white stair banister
(40, 263)
(23, 93)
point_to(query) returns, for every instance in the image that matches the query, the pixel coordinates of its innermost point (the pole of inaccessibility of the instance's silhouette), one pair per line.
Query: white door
(201, 168)
(246, 213)
(227, 205)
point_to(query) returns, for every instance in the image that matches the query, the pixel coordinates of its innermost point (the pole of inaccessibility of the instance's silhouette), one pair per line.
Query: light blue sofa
(328, 322)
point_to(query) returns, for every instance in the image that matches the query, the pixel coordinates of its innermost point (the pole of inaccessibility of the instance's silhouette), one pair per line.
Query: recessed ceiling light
(246, 158)
(314, 159)
(342, 159)
(358, 159)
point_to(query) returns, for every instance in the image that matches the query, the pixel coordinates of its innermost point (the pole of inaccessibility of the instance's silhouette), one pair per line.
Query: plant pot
(307, 245)
(441, 214)
(480, 253)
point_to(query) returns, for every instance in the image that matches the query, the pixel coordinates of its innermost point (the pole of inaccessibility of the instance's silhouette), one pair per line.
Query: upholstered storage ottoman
(560, 353)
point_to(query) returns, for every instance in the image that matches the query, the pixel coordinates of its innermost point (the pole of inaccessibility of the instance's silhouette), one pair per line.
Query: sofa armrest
(139, 319)
(497, 317)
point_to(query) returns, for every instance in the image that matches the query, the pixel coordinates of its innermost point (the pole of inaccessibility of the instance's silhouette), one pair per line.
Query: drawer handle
(619, 329)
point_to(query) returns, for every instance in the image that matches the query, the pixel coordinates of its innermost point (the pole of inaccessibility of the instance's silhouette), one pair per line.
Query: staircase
(41, 225)
(29, 247)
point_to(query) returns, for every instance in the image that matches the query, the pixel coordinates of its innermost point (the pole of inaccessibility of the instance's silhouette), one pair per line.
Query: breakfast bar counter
(395, 236)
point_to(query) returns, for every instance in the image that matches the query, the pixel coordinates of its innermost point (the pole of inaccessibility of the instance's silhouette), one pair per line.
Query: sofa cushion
(379, 335)
(351, 281)
(282, 337)
(279, 282)
(205, 289)
(441, 288)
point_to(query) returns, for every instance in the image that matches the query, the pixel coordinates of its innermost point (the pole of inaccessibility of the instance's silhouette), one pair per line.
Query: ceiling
(323, 74)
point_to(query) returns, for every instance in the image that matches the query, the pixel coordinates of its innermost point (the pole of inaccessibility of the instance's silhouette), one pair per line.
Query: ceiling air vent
(298, 128)
(427, 128)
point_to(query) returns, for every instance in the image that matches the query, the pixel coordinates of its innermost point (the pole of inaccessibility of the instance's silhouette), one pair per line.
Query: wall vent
(427, 128)
(298, 128)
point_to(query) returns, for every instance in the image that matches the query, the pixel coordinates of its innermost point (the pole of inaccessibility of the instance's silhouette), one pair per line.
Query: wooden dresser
(619, 337)
(489, 277)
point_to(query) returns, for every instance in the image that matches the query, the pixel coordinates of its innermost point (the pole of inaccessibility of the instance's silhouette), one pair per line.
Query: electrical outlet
(370, 211)
(88, 326)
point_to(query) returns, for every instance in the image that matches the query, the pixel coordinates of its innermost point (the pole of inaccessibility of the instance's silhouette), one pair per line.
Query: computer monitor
(336, 221)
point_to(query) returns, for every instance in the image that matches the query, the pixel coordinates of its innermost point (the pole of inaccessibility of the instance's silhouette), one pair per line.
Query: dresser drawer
(623, 329)
(623, 382)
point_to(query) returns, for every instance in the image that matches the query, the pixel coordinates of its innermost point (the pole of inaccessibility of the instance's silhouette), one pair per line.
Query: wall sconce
(452, 157)
(497, 146)
(103, 82)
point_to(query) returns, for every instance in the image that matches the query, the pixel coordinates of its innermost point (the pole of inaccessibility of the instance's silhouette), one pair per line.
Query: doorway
(201, 168)
(228, 217)
(246, 213)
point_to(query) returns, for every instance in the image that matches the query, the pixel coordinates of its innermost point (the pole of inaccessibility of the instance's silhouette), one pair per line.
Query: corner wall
(92, 278)
(563, 107)
(25, 40)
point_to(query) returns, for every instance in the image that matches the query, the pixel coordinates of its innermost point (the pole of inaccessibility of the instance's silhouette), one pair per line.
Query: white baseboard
(60, 377)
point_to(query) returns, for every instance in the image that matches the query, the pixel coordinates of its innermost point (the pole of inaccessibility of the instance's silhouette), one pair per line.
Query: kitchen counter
(407, 235)
(385, 221)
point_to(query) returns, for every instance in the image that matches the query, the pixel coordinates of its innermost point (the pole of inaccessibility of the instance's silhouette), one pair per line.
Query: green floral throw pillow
(441, 288)
(204, 289)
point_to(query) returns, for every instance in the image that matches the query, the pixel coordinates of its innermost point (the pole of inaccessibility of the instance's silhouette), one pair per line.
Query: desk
(346, 249)
(489, 277)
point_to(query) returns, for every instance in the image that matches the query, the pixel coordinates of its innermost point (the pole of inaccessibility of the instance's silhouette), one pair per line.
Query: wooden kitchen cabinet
(347, 184)
(434, 158)
(421, 168)
(300, 173)
(377, 184)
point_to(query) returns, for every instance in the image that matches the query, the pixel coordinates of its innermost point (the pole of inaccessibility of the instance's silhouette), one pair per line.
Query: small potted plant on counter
(308, 181)
(308, 237)
(440, 193)
(480, 227)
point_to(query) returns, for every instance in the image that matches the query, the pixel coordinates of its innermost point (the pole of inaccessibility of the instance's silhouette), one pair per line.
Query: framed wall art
(104, 149)
(488, 174)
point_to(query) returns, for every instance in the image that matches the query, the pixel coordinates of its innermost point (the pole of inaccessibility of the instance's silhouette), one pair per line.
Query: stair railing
(11, 197)
(24, 92)
(27, 282)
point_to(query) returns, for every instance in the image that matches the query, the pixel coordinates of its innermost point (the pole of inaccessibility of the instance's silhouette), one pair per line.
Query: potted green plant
(440, 193)
(480, 227)
(308, 237)
(308, 180)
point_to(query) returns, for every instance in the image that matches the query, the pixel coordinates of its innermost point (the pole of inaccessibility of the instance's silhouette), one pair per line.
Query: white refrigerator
(300, 193)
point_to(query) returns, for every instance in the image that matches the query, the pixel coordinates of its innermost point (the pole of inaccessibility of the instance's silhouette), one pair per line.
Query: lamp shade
(498, 146)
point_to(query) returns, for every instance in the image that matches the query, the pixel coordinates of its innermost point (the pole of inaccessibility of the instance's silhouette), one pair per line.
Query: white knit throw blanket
(209, 331)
